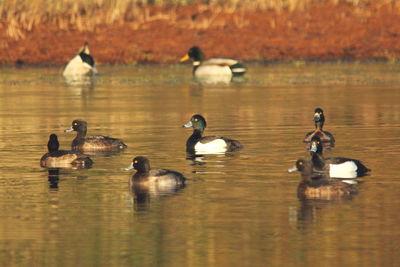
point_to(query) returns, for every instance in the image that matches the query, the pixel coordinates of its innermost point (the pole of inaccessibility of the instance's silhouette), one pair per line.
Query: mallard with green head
(213, 66)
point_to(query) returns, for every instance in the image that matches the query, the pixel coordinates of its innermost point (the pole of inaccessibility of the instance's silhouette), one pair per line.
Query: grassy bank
(21, 16)
(129, 31)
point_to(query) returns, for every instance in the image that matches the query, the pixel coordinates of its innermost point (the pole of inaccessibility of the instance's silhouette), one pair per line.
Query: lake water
(240, 209)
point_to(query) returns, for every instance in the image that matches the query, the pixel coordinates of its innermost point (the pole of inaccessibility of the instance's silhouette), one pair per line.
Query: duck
(337, 167)
(92, 143)
(199, 144)
(213, 66)
(81, 64)
(56, 158)
(149, 176)
(319, 120)
(320, 186)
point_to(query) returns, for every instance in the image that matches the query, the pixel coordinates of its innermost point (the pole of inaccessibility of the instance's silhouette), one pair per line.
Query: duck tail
(238, 69)
(234, 145)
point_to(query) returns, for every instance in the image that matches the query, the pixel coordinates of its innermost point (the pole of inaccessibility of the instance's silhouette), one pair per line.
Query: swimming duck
(92, 143)
(145, 175)
(62, 158)
(213, 66)
(319, 120)
(81, 64)
(337, 167)
(197, 144)
(320, 186)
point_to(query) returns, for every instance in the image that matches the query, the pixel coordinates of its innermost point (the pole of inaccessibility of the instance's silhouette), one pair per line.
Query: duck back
(63, 158)
(97, 142)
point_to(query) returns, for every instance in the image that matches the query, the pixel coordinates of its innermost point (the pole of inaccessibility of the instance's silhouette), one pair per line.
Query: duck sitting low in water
(145, 175)
(55, 158)
(198, 144)
(81, 64)
(92, 143)
(320, 186)
(325, 136)
(213, 66)
(148, 183)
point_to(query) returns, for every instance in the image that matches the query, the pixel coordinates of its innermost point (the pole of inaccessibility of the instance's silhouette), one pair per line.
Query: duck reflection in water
(320, 186)
(148, 183)
(53, 177)
(86, 83)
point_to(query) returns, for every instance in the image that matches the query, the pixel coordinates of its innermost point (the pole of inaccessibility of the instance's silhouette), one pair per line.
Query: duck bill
(187, 125)
(317, 117)
(130, 167)
(293, 169)
(313, 147)
(69, 130)
(184, 58)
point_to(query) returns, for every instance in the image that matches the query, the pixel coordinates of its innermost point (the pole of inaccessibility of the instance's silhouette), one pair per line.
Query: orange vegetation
(318, 32)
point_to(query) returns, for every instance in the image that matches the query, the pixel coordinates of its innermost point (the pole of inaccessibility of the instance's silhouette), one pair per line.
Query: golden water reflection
(238, 208)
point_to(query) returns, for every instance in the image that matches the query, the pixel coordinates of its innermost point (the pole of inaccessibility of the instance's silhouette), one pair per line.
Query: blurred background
(157, 31)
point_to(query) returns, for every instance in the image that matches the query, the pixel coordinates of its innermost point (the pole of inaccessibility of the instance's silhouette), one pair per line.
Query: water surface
(240, 209)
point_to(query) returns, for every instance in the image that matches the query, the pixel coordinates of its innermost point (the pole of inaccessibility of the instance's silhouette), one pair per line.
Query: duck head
(53, 143)
(79, 126)
(197, 122)
(316, 145)
(140, 164)
(319, 118)
(195, 54)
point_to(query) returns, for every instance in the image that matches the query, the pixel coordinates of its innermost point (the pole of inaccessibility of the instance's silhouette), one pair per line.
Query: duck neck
(196, 64)
(142, 172)
(317, 161)
(143, 169)
(139, 177)
(81, 133)
(193, 139)
(319, 125)
(79, 139)
(53, 146)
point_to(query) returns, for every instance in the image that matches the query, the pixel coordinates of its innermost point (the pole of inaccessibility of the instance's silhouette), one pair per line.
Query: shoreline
(249, 63)
(321, 32)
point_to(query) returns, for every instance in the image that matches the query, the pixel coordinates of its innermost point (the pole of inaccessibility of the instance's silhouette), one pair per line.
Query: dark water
(240, 209)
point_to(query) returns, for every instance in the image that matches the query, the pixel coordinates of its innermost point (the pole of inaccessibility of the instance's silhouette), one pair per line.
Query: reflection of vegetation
(23, 15)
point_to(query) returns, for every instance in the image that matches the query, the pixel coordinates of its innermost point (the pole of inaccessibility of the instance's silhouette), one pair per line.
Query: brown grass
(20, 17)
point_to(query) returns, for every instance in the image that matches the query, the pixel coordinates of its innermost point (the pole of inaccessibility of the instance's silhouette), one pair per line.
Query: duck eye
(300, 163)
(196, 119)
(135, 161)
(318, 142)
(75, 123)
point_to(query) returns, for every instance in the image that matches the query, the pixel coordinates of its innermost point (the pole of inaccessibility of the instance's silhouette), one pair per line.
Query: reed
(21, 16)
